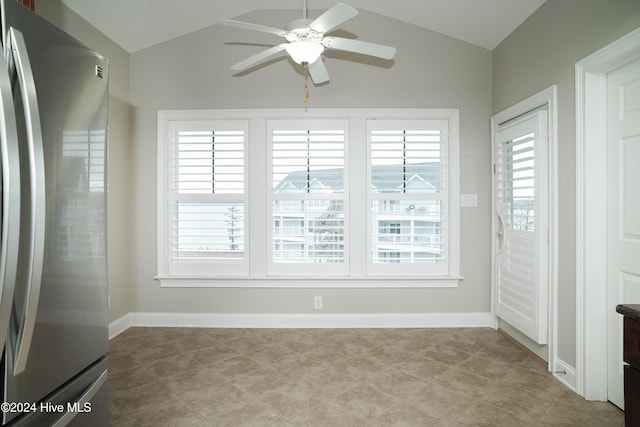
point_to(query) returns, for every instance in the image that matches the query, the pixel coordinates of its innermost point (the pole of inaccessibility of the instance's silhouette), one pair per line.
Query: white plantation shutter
(516, 181)
(408, 196)
(207, 194)
(307, 195)
(209, 162)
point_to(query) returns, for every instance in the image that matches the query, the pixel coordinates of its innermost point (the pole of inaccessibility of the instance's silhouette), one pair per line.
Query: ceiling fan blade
(333, 17)
(318, 72)
(258, 57)
(253, 27)
(357, 46)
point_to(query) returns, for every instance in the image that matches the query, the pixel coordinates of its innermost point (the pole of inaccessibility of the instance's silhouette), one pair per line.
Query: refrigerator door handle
(79, 405)
(20, 57)
(10, 200)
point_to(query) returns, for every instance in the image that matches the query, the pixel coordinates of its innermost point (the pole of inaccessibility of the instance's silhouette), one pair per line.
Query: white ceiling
(137, 24)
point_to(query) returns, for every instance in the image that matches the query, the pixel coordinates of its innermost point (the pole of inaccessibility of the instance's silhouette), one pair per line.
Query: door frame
(546, 98)
(591, 194)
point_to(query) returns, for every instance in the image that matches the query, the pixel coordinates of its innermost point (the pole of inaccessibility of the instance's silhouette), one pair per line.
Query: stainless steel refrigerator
(53, 271)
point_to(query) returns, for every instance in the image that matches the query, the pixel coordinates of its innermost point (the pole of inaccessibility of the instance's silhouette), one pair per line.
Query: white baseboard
(565, 373)
(119, 325)
(248, 320)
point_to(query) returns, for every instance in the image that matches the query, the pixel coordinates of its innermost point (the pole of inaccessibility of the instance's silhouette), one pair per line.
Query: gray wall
(542, 52)
(119, 166)
(430, 70)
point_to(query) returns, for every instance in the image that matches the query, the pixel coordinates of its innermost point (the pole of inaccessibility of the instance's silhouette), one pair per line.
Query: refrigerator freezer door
(80, 403)
(71, 326)
(9, 200)
(34, 241)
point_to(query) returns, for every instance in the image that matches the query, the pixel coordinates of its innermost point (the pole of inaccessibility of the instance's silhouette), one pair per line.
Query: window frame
(381, 268)
(255, 272)
(310, 269)
(168, 126)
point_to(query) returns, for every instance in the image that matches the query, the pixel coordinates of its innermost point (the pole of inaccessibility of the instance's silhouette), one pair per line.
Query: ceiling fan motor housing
(299, 29)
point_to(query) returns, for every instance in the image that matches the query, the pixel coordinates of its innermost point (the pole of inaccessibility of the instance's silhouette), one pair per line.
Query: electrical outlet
(317, 303)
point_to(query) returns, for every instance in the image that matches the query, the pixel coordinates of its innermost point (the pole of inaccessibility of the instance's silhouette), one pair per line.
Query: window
(307, 196)
(356, 198)
(206, 204)
(408, 196)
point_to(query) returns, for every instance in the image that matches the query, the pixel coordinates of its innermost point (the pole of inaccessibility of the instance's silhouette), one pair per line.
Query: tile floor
(337, 377)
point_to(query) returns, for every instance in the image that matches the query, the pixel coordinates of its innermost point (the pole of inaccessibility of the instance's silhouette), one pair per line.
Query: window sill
(308, 282)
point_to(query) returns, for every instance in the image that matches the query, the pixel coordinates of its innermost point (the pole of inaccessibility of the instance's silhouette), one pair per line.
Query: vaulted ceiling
(137, 24)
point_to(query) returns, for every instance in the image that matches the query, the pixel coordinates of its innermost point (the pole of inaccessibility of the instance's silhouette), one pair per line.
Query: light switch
(468, 200)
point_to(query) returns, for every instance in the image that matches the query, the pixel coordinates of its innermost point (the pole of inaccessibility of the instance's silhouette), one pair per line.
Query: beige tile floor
(337, 377)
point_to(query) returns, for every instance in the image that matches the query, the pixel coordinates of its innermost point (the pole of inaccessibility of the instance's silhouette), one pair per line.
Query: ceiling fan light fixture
(306, 41)
(304, 51)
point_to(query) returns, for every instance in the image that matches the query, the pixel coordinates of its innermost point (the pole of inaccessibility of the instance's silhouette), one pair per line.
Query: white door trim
(548, 97)
(591, 179)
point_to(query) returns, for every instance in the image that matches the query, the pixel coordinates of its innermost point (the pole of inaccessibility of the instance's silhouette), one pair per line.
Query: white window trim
(257, 216)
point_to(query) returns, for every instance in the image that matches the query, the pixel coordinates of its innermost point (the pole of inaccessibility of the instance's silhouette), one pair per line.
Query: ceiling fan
(306, 41)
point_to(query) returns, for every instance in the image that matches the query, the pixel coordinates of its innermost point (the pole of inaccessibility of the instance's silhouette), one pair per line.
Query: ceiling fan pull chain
(306, 82)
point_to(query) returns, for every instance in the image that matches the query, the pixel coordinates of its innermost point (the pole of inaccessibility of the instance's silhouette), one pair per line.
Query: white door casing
(623, 213)
(591, 197)
(541, 101)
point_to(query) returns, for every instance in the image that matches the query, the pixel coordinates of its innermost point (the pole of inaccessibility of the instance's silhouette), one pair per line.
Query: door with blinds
(521, 209)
